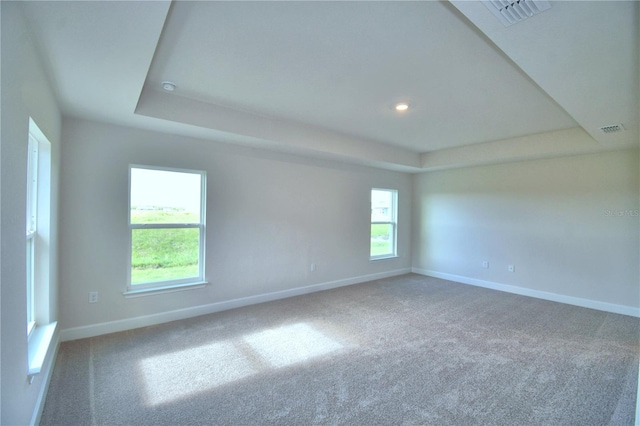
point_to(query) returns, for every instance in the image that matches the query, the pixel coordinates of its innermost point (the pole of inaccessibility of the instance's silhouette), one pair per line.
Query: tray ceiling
(321, 78)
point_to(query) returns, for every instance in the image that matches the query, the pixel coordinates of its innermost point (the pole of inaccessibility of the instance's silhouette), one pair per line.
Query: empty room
(332, 213)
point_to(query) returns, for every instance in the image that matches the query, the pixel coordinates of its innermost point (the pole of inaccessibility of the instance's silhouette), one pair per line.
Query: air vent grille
(511, 12)
(613, 128)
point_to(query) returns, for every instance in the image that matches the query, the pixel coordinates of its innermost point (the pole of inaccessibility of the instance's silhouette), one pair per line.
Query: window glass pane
(381, 206)
(160, 196)
(32, 184)
(381, 239)
(31, 220)
(30, 282)
(164, 254)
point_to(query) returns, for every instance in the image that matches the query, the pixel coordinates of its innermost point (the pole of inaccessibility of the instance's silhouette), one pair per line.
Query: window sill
(161, 290)
(38, 347)
(390, 257)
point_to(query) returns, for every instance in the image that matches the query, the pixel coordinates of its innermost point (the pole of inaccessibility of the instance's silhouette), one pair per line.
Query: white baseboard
(554, 297)
(144, 321)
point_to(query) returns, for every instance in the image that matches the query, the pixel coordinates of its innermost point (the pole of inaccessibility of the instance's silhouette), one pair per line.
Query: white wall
(269, 216)
(25, 92)
(556, 220)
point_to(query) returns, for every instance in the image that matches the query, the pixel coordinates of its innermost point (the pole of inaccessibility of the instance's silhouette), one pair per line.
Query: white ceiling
(320, 78)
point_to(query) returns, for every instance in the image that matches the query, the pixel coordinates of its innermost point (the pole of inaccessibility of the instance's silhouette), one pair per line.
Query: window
(384, 206)
(40, 329)
(38, 242)
(32, 220)
(167, 228)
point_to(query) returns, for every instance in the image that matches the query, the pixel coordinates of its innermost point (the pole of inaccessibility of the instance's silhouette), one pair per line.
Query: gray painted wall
(269, 216)
(569, 225)
(25, 92)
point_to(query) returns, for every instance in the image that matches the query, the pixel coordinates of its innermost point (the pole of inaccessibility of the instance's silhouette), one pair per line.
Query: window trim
(39, 228)
(393, 222)
(32, 227)
(38, 225)
(156, 287)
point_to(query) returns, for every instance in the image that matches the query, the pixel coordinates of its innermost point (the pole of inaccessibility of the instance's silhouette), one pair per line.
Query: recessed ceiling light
(168, 86)
(401, 107)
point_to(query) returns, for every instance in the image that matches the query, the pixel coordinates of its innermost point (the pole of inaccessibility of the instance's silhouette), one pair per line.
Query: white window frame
(32, 229)
(39, 249)
(393, 222)
(176, 284)
(38, 229)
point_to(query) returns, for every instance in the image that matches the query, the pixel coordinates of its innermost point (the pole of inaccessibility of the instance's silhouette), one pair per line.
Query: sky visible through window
(381, 204)
(153, 189)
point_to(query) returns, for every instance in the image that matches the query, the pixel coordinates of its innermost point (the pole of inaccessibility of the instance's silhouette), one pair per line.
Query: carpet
(404, 350)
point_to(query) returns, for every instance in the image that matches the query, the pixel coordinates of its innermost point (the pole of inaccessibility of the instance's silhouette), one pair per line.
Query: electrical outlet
(485, 264)
(511, 268)
(313, 267)
(93, 297)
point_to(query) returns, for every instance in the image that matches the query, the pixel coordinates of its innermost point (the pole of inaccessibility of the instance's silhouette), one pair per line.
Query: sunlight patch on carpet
(184, 373)
(181, 374)
(291, 344)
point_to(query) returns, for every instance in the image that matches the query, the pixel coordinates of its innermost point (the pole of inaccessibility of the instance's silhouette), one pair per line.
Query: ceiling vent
(614, 128)
(511, 12)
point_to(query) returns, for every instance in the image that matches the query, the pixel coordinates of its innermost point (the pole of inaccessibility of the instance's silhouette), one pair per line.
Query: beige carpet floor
(404, 350)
